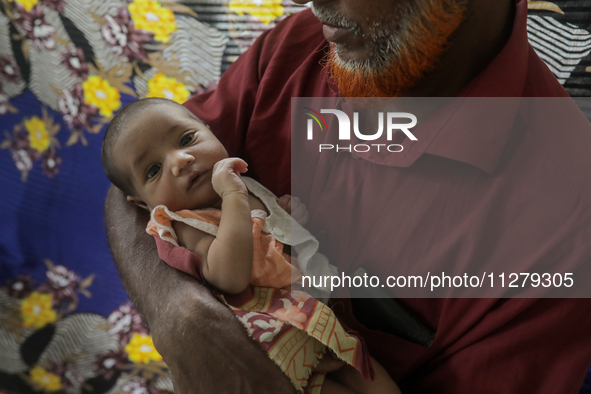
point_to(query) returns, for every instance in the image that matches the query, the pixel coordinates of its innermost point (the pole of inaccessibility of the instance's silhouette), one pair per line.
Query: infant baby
(168, 162)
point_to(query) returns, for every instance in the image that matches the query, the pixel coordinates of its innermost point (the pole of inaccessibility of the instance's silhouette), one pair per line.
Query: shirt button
(278, 232)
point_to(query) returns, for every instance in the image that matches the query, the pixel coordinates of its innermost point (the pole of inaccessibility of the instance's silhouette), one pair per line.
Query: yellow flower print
(265, 11)
(38, 135)
(27, 4)
(36, 310)
(46, 380)
(151, 16)
(140, 349)
(167, 87)
(543, 5)
(99, 93)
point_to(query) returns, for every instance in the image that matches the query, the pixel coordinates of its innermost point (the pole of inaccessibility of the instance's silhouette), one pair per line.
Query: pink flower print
(70, 377)
(3, 103)
(75, 62)
(36, 27)
(126, 41)
(291, 315)
(124, 322)
(74, 110)
(111, 363)
(22, 160)
(55, 5)
(22, 153)
(51, 162)
(9, 71)
(135, 386)
(20, 287)
(62, 284)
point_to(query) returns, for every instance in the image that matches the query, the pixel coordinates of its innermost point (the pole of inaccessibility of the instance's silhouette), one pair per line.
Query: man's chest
(440, 216)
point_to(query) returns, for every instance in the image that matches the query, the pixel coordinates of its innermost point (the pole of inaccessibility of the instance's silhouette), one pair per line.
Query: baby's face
(168, 157)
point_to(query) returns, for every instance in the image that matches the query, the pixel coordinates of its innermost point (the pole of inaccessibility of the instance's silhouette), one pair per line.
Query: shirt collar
(474, 127)
(478, 132)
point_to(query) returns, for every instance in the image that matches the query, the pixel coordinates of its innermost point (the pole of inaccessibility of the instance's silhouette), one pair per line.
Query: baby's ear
(139, 202)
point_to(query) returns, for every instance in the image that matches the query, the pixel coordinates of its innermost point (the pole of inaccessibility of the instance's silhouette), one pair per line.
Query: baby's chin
(215, 203)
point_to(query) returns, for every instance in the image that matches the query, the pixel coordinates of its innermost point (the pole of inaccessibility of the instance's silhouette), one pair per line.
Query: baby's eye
(153, 171)
(186, 139)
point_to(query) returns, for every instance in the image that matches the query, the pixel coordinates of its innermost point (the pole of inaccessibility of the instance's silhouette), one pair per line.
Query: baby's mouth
(195, 179)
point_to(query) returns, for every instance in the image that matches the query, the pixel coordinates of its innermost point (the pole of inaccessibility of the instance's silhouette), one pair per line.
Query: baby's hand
(295, 207)
(225, 178)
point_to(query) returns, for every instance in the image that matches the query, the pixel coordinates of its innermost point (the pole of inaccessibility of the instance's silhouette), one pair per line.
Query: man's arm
(205, 347)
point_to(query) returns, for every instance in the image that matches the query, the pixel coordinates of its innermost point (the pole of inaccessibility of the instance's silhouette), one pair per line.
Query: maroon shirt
(504, 193)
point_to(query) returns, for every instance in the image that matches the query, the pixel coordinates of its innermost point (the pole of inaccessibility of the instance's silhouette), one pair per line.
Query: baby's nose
(180, 160)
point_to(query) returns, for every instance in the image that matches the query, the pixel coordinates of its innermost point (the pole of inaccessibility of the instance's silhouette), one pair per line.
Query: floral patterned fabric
(48, 346)
(66, 66)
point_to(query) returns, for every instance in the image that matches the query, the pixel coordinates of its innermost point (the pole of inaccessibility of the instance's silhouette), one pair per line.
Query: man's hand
(225, 177)
(295, 207)
(204, 345)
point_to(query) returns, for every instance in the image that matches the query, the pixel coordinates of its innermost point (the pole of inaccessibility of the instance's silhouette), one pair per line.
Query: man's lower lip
(335, 34)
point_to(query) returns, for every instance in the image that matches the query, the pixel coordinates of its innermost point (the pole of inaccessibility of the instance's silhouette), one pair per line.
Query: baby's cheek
(174, 203)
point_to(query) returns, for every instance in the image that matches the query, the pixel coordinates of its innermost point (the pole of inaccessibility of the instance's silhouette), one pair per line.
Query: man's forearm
(135, 253)
(199, 338)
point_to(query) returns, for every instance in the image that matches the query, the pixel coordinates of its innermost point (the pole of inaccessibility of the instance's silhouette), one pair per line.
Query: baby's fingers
(285, 203)
(294, 207)
(234, 164)
(299, 211)
(238, 164)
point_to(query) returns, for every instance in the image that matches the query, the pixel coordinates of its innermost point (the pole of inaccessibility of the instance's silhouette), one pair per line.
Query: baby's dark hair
(115, 129)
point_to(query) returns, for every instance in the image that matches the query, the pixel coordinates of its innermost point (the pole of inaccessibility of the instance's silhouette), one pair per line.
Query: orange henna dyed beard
(415, 52)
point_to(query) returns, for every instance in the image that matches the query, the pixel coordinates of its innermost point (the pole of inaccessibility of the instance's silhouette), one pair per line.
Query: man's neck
(473, 46)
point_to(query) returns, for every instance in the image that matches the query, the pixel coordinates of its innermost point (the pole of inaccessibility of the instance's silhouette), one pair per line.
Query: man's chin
(389, 68)
(353, 76)
(351, 56)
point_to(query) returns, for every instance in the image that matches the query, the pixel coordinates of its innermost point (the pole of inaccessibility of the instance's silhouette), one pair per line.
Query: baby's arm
(227, 257)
